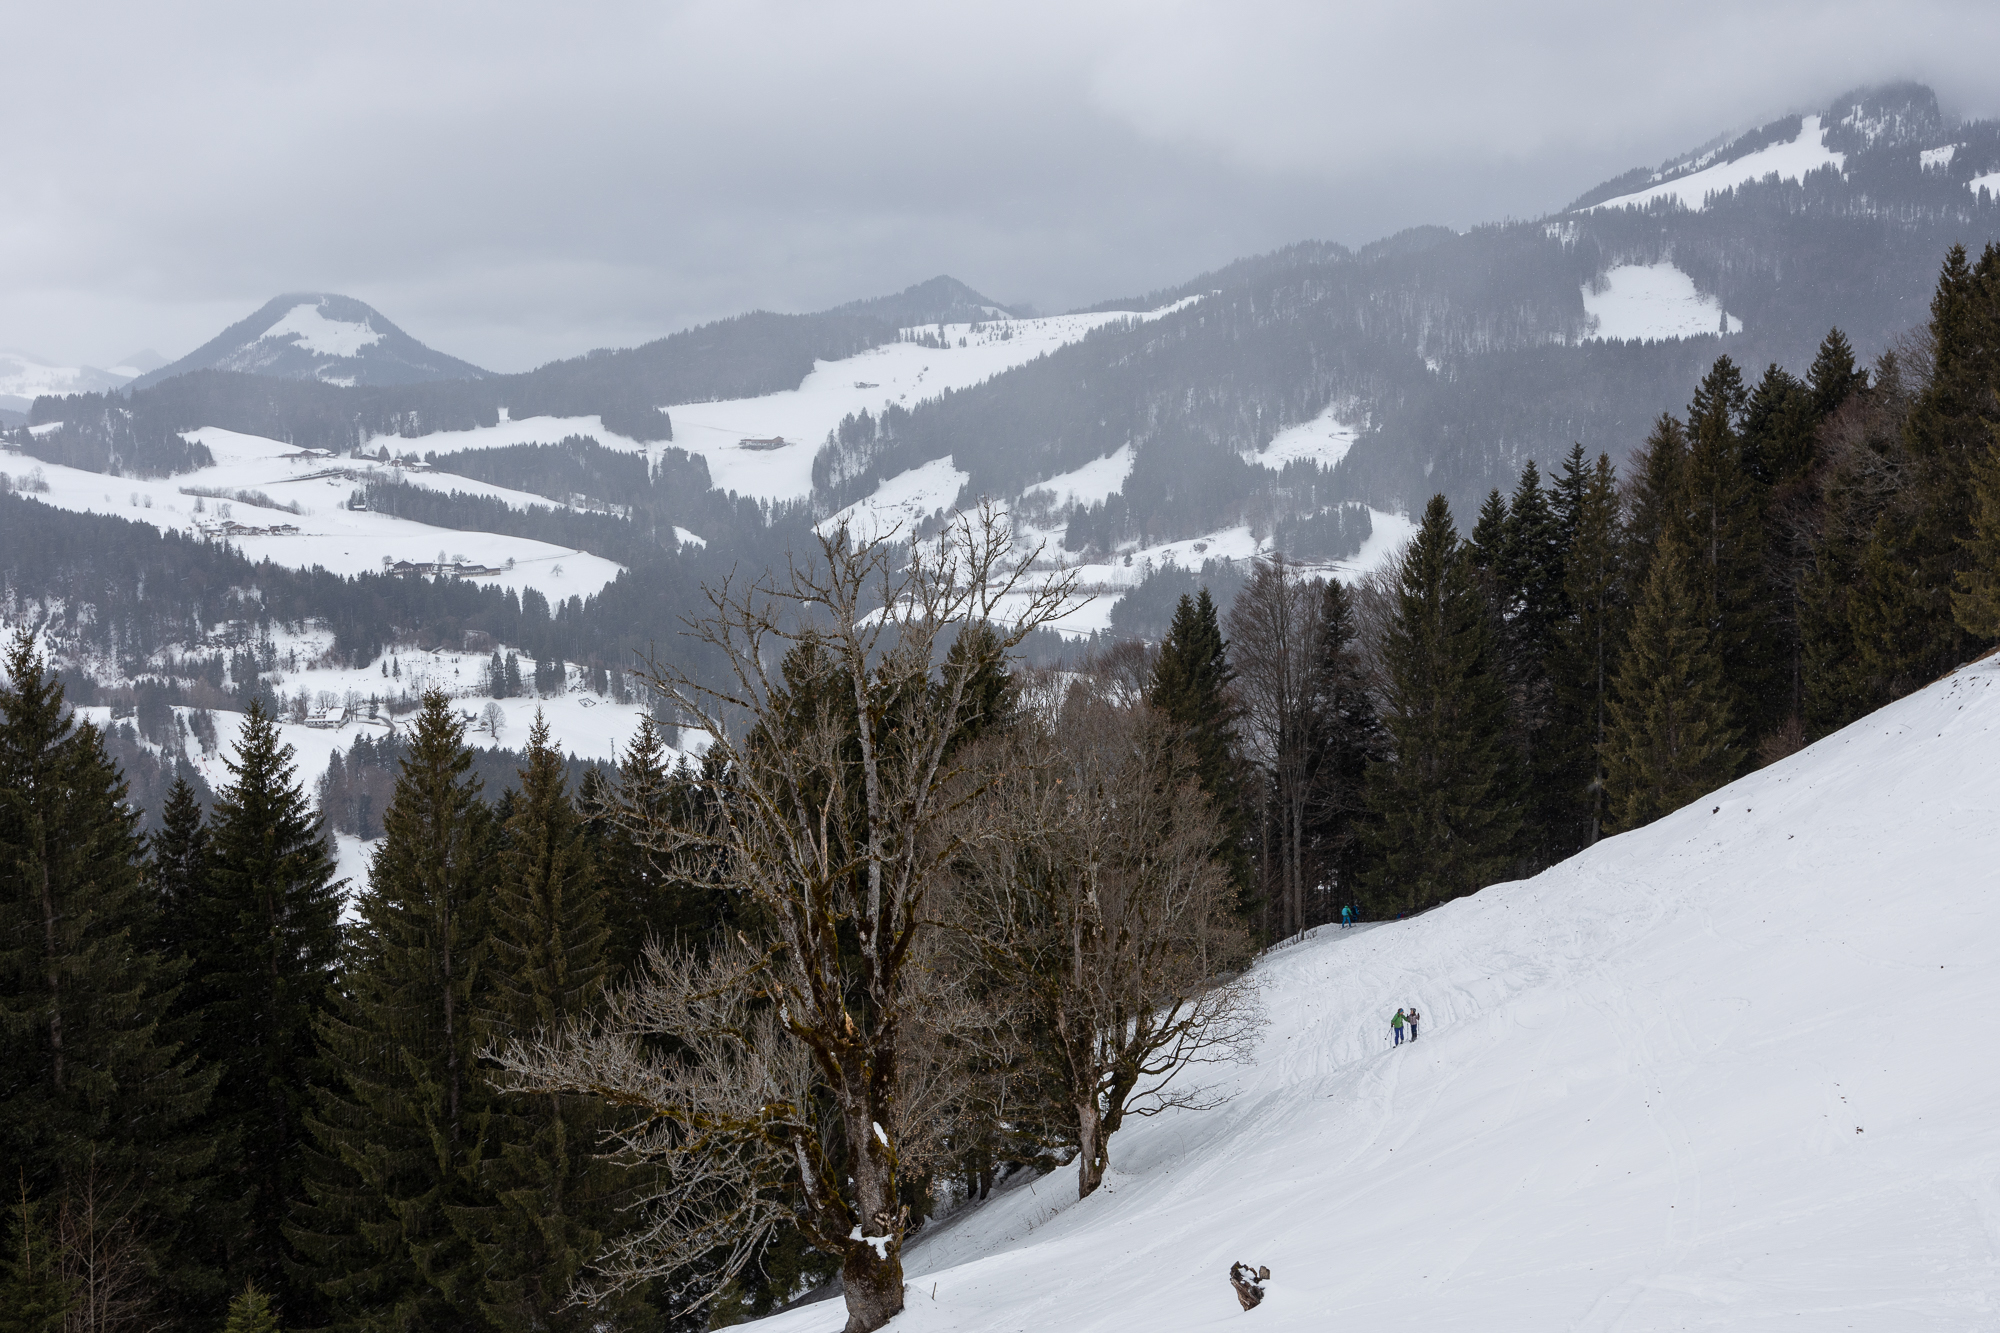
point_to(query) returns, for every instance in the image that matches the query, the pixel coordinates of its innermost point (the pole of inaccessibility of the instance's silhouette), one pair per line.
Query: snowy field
(1101, 583)
(1325, 440)
(330, 535)
(1990, 183)
(1788, 161)
(1735, 1071)
(1640, 302)
(899, 374)
(902, 502)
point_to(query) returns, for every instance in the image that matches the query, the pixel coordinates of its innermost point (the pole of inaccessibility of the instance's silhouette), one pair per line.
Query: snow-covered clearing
(1639, 302)
(1325, 440)
(304, 326)
(1933, 158)
(764, 446)
(903, 501)
(24, 378)
(1093, 483)
(1788, 161)
(507, 431)
(329, 534)
(901, 374)
(1990, 183)
(1101, 583)
(1735, 1071)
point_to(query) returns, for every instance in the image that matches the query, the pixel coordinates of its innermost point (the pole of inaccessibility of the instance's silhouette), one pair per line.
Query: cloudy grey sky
(513, 182)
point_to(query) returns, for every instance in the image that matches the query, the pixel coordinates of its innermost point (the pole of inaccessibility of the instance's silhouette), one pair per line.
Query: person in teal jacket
(1396, 1024)
(1346, 917)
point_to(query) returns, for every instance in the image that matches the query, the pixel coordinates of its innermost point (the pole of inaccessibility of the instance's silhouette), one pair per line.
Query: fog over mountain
(688, 162)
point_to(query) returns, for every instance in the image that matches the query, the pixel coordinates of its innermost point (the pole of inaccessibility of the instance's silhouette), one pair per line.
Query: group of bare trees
(1309, 731)
(953, 887)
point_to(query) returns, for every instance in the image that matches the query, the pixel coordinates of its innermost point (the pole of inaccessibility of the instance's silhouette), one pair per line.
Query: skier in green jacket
(1396, 1023)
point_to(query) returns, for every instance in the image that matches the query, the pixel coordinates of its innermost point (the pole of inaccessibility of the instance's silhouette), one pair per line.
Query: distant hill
(319, 336)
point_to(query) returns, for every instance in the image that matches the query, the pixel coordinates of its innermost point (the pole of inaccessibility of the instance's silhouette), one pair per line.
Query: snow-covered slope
(24, 378)
(1653, 301)
(1733, 1071)
(319, 335)
(325, 532)
(1787, 161)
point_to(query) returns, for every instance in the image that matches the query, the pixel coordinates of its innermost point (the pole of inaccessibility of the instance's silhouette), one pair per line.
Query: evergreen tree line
(212, 1083)
(1782, 559)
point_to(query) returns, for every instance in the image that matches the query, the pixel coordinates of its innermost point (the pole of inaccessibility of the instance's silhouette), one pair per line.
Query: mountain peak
(319, 336)
(940, 300)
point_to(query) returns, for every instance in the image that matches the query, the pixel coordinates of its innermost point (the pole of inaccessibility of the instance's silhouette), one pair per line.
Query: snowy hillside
(1732, 1071)
(274, 502)
(1786, 161)
(764, 446)
(24, 378)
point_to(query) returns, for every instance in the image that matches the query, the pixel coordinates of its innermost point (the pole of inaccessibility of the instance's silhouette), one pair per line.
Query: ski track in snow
(1789, 161)
(1734, 1071)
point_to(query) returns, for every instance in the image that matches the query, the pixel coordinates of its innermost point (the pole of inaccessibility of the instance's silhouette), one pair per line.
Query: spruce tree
(553, 1200)
(403, 1128)
(1533, 603)
(1345, 738)
(178, 868)
(1671, 738)
(251, 1312)
(1587, 644)
(36, 1296)
(649, 897)
(1833, 377)
(265, 964)
(1655, 496)
(1190, 685)
(1976, 601)
(1905, 631)
(1721, 532)
(94, 1097)
(1447, 803)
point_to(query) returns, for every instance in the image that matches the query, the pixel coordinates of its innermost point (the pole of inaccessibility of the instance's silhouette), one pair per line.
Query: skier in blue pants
(1346, 917)
(1396, 1025)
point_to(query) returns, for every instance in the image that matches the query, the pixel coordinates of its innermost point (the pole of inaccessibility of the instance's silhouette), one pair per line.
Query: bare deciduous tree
(1094, 899)
(1273, 632)
(838, 792)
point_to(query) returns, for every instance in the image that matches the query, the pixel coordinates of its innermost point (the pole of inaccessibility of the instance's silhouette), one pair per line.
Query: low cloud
(514, 182)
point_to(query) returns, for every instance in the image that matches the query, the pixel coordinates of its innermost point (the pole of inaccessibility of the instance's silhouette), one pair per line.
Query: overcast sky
(516, 182)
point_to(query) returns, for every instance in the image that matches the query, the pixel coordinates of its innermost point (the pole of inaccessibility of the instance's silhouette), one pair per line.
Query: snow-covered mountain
(1733, 1071)
(319, 336)
(24, 378)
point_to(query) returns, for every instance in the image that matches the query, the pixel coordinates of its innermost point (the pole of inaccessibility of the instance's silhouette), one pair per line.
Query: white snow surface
(900, 374)
(1937, 157)
(1100, 584)
(1734, 1071)
(509, 430)
(902, 502)
(307, 328)
(1990, 183)
(341, 540)
(1641, 302)
(1788, 161)
(1093, 483)
(1325, 440)
(27, 377)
